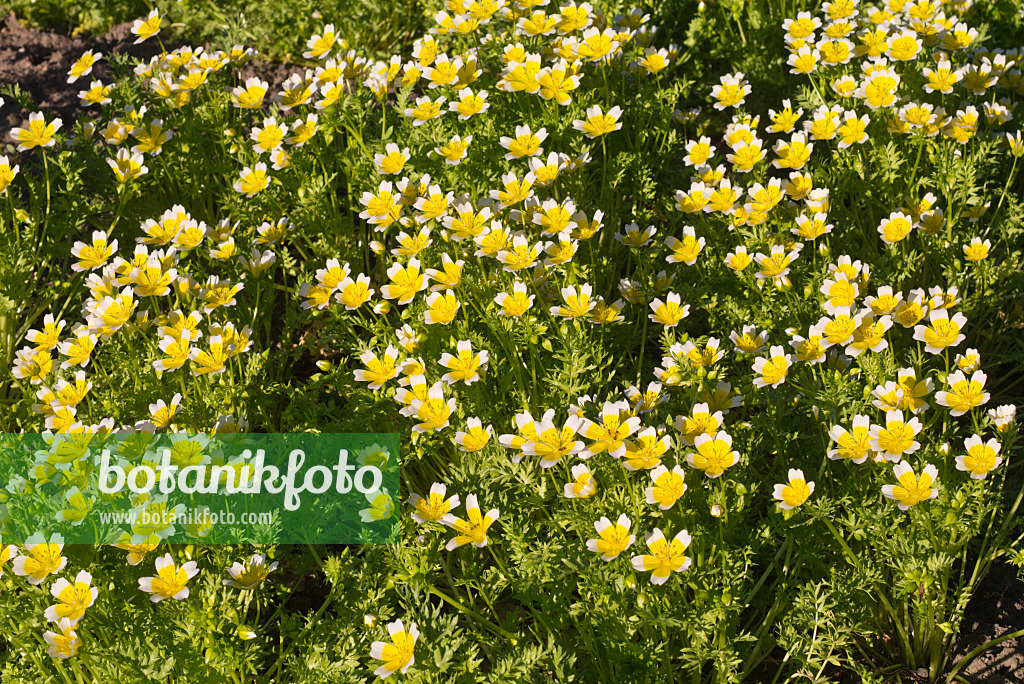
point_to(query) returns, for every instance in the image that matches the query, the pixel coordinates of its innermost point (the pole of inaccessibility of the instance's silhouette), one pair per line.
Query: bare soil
(996, 609)
(38, 61)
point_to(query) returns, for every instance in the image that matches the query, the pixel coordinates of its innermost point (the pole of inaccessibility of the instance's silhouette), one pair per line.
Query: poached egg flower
(795, 492)
(472, 530)
(912, 489)
(397, 655)
(170, 581)
(665, 556)
(612, 538)
(598, 123)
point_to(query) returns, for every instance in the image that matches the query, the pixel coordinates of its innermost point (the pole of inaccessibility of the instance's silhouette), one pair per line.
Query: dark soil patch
(38, 61)
(996, 609)
(274, 73)
(308, 597)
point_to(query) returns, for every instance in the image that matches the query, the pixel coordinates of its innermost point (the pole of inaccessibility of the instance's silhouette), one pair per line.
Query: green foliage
(843, 581)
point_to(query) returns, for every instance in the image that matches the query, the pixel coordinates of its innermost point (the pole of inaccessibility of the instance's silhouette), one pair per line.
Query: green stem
(501, 563)
(917, 161)
(1006, 188)
(272, 673)
(976, 652)
(855, 562)
(473, 614)
(46, 216)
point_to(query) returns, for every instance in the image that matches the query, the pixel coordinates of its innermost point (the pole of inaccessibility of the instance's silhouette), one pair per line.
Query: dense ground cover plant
(370, 26)
(688, 391)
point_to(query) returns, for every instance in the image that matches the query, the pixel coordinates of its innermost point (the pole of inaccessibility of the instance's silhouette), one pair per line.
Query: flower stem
(473, 614)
